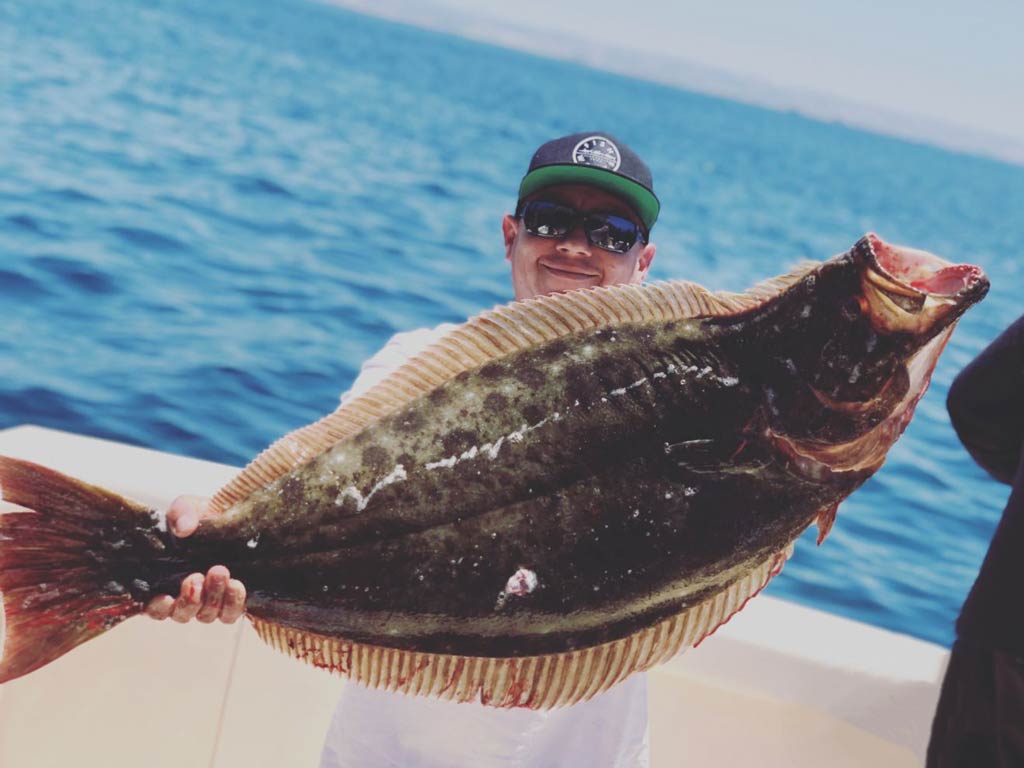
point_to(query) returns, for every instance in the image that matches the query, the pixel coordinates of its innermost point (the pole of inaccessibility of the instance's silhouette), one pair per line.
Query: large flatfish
(560, 493)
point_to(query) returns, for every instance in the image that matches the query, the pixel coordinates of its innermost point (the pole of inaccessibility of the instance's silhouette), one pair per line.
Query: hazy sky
(959, 61)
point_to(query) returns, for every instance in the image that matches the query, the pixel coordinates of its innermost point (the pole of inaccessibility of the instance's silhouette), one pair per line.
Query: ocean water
(211, 213)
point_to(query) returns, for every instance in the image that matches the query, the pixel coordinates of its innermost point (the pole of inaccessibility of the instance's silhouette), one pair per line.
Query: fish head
(872, 324)
(865, 315)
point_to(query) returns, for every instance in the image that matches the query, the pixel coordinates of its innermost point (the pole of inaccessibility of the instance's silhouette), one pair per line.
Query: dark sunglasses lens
(548, 219)
(613, 233)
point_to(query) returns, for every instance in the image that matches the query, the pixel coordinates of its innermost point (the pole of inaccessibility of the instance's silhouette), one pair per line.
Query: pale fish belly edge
(532, 682)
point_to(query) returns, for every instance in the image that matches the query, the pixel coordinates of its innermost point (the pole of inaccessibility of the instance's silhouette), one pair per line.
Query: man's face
(542, 265)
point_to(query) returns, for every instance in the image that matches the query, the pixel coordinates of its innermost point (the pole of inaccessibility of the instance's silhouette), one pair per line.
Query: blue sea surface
(212, 213)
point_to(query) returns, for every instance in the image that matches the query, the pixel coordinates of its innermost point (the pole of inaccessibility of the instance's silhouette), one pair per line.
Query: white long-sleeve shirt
(379, 729)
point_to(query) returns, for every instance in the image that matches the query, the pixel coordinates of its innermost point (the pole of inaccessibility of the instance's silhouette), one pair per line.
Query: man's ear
(643, 263)
(509, 229)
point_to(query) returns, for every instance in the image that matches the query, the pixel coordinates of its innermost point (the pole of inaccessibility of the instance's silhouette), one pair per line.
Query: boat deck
(779, 685)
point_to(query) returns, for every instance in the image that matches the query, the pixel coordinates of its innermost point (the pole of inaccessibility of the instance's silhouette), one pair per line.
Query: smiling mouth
(569, 274)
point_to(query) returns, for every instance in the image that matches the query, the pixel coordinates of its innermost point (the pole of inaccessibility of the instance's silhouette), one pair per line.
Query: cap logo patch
(597, 151)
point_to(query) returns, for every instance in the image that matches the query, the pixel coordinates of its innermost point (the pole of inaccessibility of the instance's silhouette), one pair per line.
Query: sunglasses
(603, 230)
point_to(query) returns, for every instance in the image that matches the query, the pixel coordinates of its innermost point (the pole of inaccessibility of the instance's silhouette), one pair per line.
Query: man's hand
(206, 599)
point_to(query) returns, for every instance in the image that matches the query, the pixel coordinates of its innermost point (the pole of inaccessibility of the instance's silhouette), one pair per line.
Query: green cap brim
(640, 199)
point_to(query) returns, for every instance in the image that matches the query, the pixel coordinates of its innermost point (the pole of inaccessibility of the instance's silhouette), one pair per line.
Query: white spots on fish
(115, 587)
(672, 447)
(449, 462)
(636, 513)
(660, 375)
(806, 311)
(519, 584)
(253, 542)
(396, 475)
(159, 517)
(490, 450)
(854, 374)
(624, 390)
(690, 491)
(668, 494)
(702, 373)
(119, 544)
(140, 585)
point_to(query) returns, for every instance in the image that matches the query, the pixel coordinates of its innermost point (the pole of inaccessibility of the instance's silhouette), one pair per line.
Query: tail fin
(69, 564)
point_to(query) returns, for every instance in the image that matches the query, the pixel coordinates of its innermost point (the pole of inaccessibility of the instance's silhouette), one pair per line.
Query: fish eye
(850, 309)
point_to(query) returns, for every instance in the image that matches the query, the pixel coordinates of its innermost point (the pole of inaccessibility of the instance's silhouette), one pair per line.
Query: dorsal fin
(489, 336)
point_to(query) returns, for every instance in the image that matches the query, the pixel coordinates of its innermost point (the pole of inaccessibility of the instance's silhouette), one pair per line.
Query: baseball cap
(598, 159)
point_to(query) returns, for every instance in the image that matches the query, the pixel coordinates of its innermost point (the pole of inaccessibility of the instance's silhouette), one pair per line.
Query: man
(979, 722)
(583, 217)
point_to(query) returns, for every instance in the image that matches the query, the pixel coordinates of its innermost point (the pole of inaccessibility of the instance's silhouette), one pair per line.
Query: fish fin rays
(59, 583)
(488, 336)
(531, 682)
(773, 286)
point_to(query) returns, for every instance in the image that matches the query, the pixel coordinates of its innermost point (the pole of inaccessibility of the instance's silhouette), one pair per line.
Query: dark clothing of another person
(979, 721)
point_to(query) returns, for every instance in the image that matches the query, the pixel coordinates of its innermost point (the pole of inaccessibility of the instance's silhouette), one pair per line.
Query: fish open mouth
(916, 275)
(912, 290)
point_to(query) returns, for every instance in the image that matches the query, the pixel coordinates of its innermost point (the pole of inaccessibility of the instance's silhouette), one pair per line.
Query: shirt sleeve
(390, 357)
(986, 404)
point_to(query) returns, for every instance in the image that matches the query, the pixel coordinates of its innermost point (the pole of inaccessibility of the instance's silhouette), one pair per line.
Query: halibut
(560, 493)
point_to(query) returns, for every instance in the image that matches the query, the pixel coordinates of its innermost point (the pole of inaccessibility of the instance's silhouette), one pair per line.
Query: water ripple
(148, 238)
(77, 275)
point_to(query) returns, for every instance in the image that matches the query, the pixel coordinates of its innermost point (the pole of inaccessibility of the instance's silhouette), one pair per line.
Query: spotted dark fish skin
(818, 338)
(634, 470)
